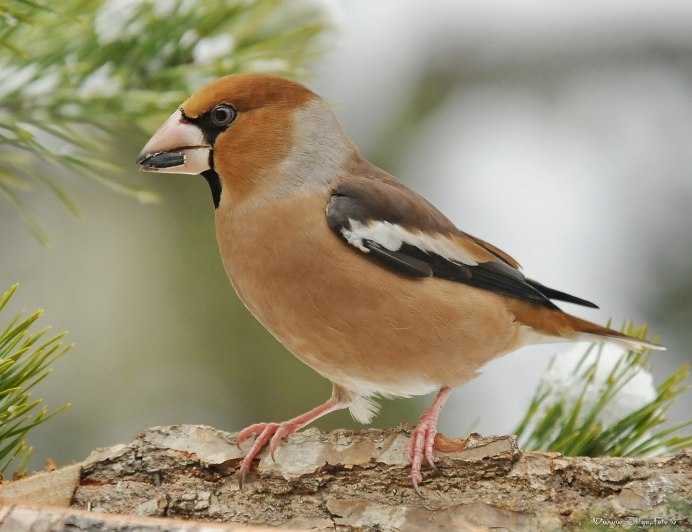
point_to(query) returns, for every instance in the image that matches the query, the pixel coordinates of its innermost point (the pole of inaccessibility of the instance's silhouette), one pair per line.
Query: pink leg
(422, 437)
(275, 432)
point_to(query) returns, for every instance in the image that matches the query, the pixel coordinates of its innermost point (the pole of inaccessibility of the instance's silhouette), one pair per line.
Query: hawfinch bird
(357, 275)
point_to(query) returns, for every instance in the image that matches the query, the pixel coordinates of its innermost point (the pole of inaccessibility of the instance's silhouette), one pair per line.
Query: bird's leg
(422, 437)
(275, 432)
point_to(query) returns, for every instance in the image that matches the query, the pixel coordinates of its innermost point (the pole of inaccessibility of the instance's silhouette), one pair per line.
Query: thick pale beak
(178, 147)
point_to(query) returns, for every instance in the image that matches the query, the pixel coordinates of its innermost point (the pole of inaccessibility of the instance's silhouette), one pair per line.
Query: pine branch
(82, 74)
(25, 359)
(604, 403)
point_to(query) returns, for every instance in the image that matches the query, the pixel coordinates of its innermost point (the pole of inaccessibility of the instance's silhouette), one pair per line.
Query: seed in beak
(156, 161)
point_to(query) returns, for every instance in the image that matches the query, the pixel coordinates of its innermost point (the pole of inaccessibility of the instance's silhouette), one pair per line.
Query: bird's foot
(272, 433)
(420, 445)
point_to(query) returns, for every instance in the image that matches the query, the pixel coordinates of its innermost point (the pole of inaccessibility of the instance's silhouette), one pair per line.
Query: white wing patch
(392, 237)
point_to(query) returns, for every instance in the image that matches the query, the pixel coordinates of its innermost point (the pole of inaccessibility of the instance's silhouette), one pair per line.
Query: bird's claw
(416, 488)
(271, 433)
(419, 447)
(280, 433)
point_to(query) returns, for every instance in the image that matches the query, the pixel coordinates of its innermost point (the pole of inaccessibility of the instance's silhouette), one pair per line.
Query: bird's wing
(400, 229)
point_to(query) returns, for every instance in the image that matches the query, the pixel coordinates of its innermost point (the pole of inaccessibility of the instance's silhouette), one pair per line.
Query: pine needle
(84, 66)
(25, 358)
(554, 421)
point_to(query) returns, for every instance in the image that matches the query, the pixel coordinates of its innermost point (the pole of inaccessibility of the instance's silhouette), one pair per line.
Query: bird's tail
(596, 333)
(553, 325)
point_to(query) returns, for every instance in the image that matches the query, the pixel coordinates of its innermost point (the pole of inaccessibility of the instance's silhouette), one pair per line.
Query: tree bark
(360, 480)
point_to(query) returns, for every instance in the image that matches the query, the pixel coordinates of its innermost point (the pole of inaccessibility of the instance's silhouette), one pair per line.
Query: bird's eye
(222, 115)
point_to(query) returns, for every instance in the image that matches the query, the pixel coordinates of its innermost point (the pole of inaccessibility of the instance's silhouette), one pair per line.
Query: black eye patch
(215, 121)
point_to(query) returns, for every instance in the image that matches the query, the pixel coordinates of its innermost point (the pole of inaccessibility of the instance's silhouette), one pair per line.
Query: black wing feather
(399, 261)
(497, 276)
(560, 296)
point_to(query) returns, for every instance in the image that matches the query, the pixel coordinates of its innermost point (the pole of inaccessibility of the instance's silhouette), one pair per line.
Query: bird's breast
(355, 322)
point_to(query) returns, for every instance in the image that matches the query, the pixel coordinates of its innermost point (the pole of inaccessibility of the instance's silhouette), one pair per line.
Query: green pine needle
(25, 358)
(84, 79)
(553, 422)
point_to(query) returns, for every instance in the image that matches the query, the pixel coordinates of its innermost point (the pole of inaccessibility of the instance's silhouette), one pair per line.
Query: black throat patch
(214, 184)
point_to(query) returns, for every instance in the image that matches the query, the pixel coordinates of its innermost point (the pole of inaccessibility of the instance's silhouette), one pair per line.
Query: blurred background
(560, 132)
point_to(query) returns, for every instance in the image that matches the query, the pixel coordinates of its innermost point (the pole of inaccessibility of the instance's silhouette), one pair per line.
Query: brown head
(253, 137)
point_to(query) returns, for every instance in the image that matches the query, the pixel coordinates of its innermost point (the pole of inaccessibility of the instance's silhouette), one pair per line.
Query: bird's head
(253, 137)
